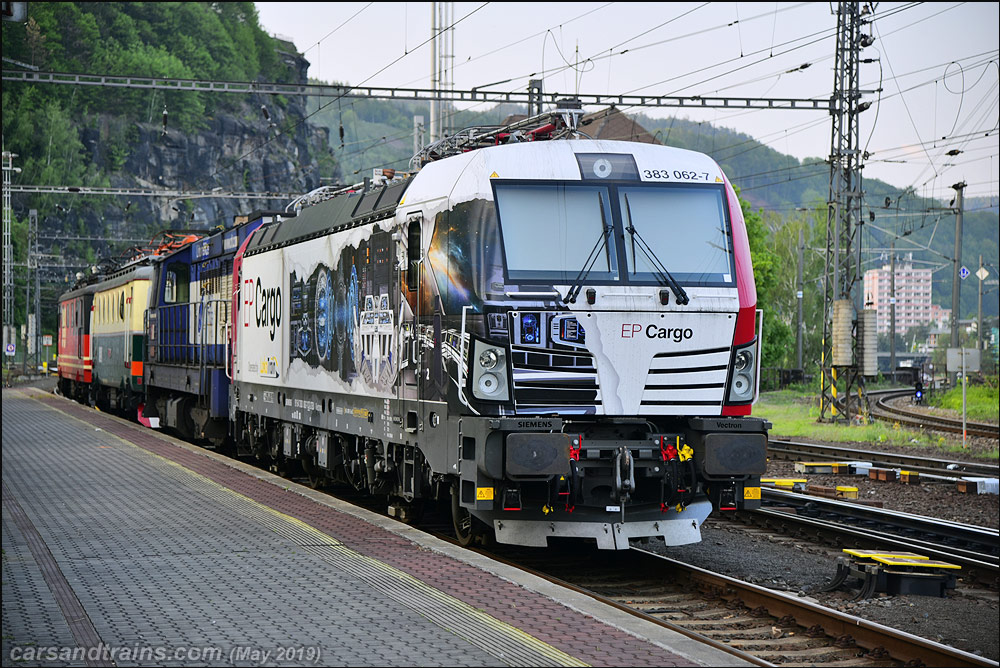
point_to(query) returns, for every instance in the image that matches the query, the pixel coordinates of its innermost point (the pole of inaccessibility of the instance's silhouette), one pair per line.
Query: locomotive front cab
(621, 357)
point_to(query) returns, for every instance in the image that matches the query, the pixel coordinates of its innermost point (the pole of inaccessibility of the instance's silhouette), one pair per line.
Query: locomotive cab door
(409, 387)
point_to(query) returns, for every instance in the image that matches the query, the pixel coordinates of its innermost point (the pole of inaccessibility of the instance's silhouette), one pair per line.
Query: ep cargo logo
(263, 303)
(631, 330)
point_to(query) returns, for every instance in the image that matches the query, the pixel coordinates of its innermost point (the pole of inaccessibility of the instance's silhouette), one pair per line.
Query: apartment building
(912, 296)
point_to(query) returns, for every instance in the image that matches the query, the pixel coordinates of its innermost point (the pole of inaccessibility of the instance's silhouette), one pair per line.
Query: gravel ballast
(967, 618)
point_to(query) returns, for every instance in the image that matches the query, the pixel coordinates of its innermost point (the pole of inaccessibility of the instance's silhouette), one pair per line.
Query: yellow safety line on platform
(322, 544)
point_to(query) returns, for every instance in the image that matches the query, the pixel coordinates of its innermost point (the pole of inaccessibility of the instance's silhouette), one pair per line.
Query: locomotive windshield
(550, 230)
(560, 233)
(685, 228)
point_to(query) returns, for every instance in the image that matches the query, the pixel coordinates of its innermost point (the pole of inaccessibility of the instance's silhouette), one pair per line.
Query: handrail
(229, 330)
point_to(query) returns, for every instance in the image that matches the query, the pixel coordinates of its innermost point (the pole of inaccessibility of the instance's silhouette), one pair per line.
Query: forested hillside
(89, 136)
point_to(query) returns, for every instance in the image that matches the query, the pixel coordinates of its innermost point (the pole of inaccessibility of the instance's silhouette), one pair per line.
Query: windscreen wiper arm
(588, 264)
(662, 274)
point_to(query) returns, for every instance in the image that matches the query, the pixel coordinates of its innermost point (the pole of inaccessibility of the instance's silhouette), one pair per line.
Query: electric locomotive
(102, 329)
(117, 337)
(186, 369)
(73, 358)
(559, 335)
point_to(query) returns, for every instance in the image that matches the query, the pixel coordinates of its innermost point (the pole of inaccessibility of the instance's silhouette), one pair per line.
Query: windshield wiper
(661, 272)
(588, 264)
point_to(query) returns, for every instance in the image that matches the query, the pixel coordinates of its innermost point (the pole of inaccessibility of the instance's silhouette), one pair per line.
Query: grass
(982, 401)
(794, 413)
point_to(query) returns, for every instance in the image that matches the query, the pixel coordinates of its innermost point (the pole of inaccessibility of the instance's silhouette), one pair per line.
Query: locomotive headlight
(489, 359)
(489, 384)
(488, 372)
(743, 382)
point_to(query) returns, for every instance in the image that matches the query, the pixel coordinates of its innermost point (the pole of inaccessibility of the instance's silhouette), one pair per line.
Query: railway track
(793, 450)
(975, 549)
(759, 625)
(885, 410)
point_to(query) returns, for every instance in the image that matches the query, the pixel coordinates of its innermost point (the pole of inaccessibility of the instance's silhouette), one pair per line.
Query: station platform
(123, 546)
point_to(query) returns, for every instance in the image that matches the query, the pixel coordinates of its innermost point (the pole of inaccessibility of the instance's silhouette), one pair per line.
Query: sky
(935, 63)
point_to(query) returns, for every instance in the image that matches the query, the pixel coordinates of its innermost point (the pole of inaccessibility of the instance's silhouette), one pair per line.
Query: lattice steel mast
(839, 352)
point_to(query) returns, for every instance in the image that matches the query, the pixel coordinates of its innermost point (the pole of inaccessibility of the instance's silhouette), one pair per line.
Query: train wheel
(314, 474)
(468, 529)
(461, 520)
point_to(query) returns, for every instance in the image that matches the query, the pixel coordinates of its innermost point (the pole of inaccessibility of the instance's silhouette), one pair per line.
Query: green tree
(777, 334)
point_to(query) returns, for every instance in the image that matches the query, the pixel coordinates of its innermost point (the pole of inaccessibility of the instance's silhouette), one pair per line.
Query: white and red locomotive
(561, 336)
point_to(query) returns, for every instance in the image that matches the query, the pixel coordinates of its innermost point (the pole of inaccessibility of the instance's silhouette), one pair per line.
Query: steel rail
(926, 421)
(982, 544)
(790, 450)
(868, 538)
(901, 645)
(514, 563)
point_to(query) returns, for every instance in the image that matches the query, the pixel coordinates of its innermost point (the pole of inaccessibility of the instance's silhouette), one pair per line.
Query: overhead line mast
(843, 351)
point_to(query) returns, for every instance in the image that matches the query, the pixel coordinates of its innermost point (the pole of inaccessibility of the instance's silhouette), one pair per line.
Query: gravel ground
(966, 619)
(942, 500)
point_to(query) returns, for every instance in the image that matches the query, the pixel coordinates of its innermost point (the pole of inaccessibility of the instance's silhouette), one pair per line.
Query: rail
(886, 411)
(793, 450)
(952, 540)
(639, 581)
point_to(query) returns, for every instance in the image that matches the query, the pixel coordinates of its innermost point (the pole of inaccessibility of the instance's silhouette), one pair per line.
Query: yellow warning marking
(868, 554)
(751, 492)
(494, 175)
(718, 180)
(333, 551)
(484, 494)
(784, 482)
